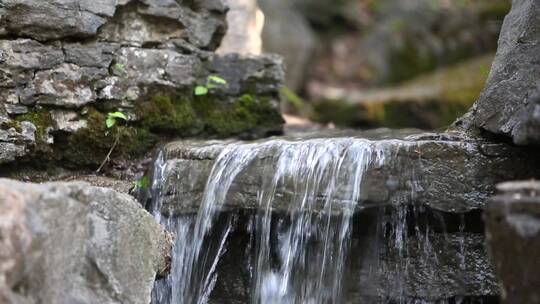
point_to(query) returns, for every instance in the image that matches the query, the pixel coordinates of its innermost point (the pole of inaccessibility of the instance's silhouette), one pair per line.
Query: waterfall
(298, 212)
(193, 271)
(314, 240)
(306, 263)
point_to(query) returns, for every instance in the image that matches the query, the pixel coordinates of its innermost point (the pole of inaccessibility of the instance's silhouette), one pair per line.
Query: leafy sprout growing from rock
(111, 122)
(119, 68)
(212, 82)
(143, 183)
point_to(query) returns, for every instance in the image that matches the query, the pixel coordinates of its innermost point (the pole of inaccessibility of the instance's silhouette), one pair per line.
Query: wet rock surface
(65, 64)
(438, 262)
(508, 104)
(513, 235)
(74, 243)
(446, 172)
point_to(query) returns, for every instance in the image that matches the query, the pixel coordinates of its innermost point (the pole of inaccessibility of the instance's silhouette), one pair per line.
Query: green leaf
(110, 122)
(119, 67)
(119, 115)
(217, 80)
(200, 90)
(143, 183)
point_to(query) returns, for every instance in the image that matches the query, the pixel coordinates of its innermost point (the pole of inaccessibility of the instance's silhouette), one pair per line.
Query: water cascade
(306, 231)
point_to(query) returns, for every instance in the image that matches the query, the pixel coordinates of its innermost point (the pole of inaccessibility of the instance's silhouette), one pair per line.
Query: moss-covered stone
(11, 124)
(429, 102)
(169, 115)
(165, 115)
(246, 116)
(89, 146)
(42, 119)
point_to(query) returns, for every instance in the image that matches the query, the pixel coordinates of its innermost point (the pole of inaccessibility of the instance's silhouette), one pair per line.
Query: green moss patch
(89, 146)
(164, 115)
(429, 102)
(246, 116)
(41, 119)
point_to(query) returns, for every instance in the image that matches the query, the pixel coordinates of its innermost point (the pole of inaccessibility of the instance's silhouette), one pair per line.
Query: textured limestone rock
(443, 171)
(507, 105)
(132, 21)
(65, 64)
(513, 235)
(74, 243)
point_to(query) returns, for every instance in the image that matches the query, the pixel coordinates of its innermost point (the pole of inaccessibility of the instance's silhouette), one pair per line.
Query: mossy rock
(431, 102)
(245, 117)
(164, 116)
(89, 146)
(42, 119)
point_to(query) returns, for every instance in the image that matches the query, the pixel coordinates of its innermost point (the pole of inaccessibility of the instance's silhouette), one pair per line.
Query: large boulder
(513, 236)
(61, 74)
(74, 243)
(509, 103)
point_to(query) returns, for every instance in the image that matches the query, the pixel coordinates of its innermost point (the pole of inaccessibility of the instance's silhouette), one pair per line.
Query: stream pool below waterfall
(325, 220)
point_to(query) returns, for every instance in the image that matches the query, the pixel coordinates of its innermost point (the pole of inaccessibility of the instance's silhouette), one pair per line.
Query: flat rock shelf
(366, 217)
(446, 172)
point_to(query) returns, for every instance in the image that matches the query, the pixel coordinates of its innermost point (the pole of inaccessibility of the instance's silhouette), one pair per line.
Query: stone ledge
(445, 172)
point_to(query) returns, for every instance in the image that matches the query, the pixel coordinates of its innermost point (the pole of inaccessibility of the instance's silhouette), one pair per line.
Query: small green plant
(119, 67)
(142, 183)
(212, 82)
(110, 123)
(113, 117)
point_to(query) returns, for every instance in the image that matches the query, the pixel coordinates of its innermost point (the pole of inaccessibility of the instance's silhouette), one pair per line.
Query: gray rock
(527, 129)
(90, 57)
(513, 236)
(15, 243)
(434, 267)
(57, 19)
(10, 151)
(67, 121)
(513, 80)
(15, 109)
(74, 243)
(443, 171)
(133, 29)
(66, 86)
(257, 75)
(98, 55)
(128, 21)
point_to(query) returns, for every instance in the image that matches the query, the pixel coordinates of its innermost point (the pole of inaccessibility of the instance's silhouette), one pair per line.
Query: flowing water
(299, 255)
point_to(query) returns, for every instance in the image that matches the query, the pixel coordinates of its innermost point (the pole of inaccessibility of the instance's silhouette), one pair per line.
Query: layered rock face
(513, 234)
(509, 103)
(73, 243)
(65, 64)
